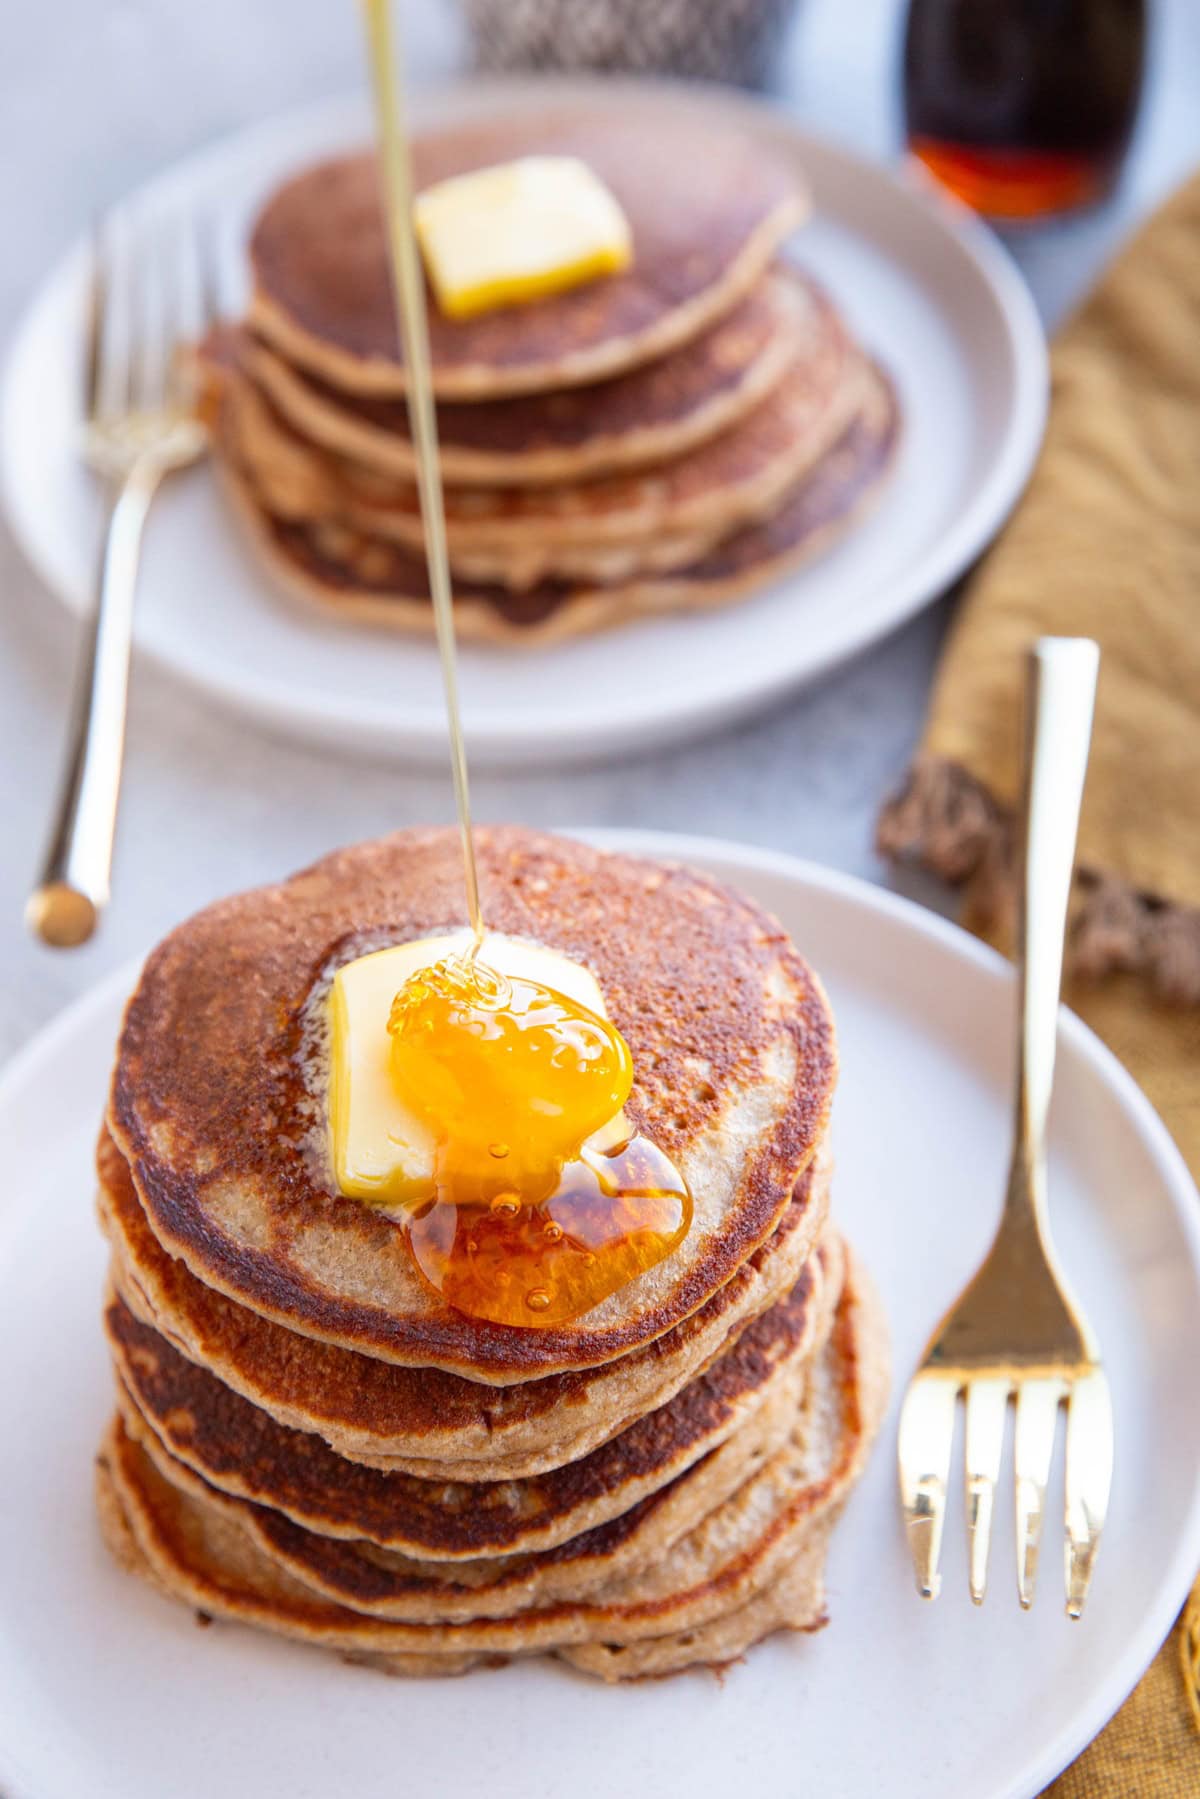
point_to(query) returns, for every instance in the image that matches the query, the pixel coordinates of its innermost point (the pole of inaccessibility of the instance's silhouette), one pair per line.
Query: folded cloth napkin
(1105, 544)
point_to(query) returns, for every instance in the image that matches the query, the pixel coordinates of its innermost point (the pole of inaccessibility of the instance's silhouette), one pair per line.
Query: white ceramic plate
(108, 1690)
(927, 288)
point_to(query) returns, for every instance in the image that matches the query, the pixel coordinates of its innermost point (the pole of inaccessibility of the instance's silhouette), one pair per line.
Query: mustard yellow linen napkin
(1105, 544)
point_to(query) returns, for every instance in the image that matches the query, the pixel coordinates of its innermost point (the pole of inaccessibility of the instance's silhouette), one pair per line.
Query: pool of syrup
(612, 1215)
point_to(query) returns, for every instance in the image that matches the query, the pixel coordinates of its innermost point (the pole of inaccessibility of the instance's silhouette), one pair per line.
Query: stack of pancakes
(670, 437)
(308, 1440)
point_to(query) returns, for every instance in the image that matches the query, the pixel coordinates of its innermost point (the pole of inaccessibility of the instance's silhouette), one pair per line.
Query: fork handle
(1060, 698)
(65, 906)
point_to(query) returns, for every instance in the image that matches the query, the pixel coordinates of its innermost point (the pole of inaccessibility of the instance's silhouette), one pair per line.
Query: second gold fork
(140, 423)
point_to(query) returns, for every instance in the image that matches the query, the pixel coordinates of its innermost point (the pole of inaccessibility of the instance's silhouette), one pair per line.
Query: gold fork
(1016, 1332)
(140, 423)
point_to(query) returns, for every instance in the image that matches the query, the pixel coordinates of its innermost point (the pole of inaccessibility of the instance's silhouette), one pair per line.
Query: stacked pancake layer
(671, 437)
(307, 1440)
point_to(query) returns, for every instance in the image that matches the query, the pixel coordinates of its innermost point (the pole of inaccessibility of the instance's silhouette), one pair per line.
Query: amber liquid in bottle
(1023, 108)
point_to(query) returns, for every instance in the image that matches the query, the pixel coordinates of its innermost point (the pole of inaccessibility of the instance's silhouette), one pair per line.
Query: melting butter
(519, 231)
(381, 1150)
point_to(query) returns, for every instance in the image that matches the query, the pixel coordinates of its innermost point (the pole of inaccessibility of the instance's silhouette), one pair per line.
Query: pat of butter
(519, 231)
(381, 1151)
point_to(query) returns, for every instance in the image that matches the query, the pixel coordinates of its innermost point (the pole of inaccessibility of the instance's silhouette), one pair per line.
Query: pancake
(419, 1420)
(517, 568)
(519, 536)
(794, 1601)
(801, 328)
(385, 1583)
(648, 415)
(367, 579)
(240, 1450)
(194, 1547)
(289, 485)
(217, 1096)
(322, 291)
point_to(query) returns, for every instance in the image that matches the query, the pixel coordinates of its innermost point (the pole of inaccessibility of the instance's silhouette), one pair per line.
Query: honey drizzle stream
(603, 1217)
(408, 288)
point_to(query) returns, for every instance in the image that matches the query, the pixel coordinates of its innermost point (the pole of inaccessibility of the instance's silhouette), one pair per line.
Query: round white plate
(927, 289)
(107, 1689)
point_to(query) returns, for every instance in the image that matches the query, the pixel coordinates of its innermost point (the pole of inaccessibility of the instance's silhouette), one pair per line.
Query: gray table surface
(94, 98)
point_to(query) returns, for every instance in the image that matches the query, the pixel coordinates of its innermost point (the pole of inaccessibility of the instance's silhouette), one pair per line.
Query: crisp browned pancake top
(708, 207)
(216, 1105)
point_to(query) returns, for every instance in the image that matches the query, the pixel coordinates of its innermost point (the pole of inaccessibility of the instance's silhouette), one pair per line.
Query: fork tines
(927, 1423)
(153, 293)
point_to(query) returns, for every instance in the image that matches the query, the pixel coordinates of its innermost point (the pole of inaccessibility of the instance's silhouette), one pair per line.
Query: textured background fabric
(1106, 544)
